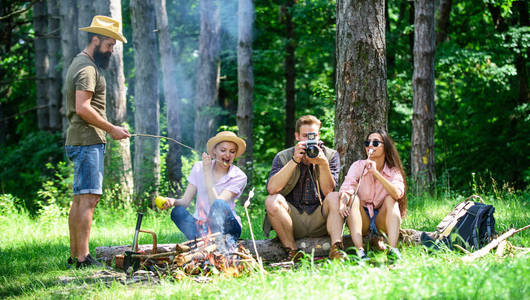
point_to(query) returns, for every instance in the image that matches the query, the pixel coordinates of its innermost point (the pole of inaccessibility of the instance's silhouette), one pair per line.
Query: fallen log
(486, 249)
(269, 250)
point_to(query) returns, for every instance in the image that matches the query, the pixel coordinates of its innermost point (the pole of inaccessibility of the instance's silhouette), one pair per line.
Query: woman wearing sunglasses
(380, 202)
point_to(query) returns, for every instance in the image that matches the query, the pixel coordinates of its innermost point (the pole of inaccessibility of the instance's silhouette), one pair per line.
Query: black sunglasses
(375, 143)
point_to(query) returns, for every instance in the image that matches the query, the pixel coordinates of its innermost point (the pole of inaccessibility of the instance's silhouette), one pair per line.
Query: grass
(33, 254)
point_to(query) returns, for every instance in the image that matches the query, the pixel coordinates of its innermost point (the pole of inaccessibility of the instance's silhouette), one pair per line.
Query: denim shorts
(88, 168)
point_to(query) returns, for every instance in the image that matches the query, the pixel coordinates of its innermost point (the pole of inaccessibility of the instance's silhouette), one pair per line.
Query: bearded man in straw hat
(85, 138)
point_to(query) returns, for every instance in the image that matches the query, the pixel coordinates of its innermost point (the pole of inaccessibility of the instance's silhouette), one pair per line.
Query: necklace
(86, 53)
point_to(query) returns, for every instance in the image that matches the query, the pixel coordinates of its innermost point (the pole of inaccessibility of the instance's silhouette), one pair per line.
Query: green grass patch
(33, 253)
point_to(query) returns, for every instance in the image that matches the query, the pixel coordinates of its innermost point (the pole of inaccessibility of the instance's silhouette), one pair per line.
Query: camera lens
(311, 151)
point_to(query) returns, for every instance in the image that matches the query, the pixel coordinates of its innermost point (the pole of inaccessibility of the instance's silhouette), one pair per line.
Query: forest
(447, 79)
(477, 129)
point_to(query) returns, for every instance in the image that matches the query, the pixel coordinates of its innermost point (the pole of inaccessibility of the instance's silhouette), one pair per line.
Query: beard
(102, 59)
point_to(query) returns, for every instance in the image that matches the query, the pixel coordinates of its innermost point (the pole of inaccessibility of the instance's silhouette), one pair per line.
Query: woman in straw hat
(217, 183)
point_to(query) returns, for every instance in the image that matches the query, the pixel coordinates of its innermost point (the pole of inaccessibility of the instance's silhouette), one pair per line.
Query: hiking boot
(337, 251)
(88, 262)
(393, 255)
(294, 255)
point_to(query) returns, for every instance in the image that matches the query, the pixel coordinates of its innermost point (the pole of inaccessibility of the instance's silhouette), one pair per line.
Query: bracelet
(295, 161)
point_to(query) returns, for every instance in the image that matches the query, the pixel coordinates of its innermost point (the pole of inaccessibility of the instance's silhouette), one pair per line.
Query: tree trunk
(69, 47)
(85, 13)
(169, 76)
(118, 168)
(245, 80)
(361, 77)
(208, 67)
(54, 75)
(290, 74)
(411, 34)
(146, 115)
(442, 20)
(40, 24)
(521, 58)
(422, 140)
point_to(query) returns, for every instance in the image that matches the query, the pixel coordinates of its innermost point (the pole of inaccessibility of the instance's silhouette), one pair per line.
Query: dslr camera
(311, 145)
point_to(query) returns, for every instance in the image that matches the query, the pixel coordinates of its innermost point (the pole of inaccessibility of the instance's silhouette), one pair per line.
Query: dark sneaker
(88, 262)
(393, 255)
(361, 255)
(70, 261)
(337, 251)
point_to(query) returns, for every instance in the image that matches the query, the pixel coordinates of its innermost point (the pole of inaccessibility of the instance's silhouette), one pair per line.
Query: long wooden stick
(247, 203)
(370, 152)
(486, 249)
(164, 137)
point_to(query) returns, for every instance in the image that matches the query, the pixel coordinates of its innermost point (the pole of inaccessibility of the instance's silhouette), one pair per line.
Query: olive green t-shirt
(84, 75)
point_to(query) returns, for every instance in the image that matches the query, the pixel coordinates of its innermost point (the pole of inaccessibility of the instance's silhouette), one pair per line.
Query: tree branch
(16, 12)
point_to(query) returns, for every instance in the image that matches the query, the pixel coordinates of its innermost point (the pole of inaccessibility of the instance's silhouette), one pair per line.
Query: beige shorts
(304, 224)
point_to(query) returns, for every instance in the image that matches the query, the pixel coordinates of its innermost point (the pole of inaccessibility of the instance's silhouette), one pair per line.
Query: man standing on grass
(300, 179)
(85, 138)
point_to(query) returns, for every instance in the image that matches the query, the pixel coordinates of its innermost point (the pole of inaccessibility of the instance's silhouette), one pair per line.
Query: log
(269, 250)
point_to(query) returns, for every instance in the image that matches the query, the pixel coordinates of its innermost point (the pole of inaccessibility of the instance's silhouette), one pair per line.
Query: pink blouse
(234, 181)
(371, 192)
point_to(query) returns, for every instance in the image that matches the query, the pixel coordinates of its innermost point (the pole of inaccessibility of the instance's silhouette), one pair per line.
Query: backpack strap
(460, 213)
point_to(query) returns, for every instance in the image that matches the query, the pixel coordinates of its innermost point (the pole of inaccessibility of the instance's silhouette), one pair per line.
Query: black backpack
(470, 225)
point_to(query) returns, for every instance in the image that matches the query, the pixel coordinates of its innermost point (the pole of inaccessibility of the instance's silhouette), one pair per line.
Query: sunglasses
(375, 143)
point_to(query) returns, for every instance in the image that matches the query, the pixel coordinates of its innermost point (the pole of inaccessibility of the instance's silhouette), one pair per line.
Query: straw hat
(226, 136)
(105, 26)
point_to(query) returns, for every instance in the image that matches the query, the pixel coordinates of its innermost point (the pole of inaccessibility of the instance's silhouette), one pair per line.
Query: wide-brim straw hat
(105, 26)
(226, 136)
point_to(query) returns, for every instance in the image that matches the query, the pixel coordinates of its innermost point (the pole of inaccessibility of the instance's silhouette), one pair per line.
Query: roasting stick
(170, 139)
(164, 137)
(370, 152)
(246, 205)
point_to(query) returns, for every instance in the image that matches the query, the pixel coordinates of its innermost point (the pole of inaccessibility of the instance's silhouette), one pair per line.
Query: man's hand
(299, 152)
(119, 133)
(344, 204)
(319, 160)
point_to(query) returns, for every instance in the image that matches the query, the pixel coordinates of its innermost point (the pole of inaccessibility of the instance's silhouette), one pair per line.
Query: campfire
(209, 255)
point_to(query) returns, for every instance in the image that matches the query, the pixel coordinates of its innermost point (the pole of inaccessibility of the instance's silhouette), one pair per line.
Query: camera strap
(315, 184)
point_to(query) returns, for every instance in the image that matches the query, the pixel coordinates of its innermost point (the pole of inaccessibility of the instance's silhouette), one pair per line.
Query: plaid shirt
(304, 195)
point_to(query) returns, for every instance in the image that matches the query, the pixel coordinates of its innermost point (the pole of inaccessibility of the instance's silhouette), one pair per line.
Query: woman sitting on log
(217, 183)
(380, 202)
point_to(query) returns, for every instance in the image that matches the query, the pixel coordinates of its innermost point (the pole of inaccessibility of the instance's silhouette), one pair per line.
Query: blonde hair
(307, 120)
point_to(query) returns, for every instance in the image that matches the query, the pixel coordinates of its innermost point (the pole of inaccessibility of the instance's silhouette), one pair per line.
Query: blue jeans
(220, 219)
(88, 168)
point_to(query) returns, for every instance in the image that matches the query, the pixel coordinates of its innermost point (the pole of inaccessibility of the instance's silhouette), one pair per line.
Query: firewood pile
(209, 255)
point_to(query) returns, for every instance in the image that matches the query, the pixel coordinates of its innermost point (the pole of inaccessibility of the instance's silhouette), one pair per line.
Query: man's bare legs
(79, 224)
(278, 213)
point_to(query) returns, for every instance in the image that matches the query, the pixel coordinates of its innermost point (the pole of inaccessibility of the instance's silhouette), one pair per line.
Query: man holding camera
(299, 180)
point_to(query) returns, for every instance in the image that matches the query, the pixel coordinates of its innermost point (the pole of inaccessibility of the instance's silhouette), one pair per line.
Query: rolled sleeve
(237, 185)
(276, 167)
(352, 178)
(334, 167)
(397, 181)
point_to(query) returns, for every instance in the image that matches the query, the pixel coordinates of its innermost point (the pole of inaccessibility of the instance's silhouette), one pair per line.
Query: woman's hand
(170, 202)
(206, 162)
(344, 204)
(371, 167)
